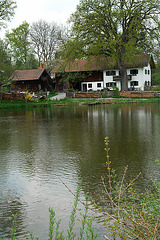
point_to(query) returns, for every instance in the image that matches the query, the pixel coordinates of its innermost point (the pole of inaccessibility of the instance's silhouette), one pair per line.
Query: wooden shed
(31, 80)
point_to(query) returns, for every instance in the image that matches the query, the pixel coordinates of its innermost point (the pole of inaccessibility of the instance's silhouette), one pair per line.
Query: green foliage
(116, 28)
(115, 92)
(7, 8)
(156, 75)
(6, 67)
(13, 228)
(31, 62)
(52, 222)
(51, 64)
(155, 88)
(86, 231)
(129, 214)
(19, 44)
(73, 77)
(71, 233)
(69, 101)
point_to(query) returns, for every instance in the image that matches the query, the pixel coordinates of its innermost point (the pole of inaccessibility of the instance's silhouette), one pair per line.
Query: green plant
(86, 230)
(70, 90)
(71, 233)
(128, 213)
(115, 92)
(13, 228)
(155, 88)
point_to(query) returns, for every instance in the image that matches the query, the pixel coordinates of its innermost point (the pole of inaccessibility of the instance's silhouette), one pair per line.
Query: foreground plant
(86, 230)
(129, 214)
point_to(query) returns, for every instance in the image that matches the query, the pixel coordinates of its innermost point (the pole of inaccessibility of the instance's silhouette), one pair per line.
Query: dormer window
(133, 71)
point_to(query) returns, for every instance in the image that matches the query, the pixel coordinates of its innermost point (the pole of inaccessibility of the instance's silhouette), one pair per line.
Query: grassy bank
(73, 101)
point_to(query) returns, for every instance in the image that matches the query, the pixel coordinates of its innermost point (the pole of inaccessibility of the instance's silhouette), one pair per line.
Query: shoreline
(73, 101)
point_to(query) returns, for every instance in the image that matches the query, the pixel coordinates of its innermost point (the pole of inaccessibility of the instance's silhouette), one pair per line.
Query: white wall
(109, 79)
(94, 85)
(141, 77)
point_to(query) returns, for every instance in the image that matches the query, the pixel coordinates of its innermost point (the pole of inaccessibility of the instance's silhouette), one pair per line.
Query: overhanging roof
(26, 75)
(99, 64)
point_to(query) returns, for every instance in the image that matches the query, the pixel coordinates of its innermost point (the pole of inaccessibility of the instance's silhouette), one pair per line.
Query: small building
(31, 80)
(98, 74)
(138, 74)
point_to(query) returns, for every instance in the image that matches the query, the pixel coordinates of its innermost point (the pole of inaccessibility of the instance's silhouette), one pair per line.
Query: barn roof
(24, 75)
(95, 64)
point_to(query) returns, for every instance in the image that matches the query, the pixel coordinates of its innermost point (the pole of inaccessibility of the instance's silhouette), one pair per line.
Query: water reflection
(40, 145)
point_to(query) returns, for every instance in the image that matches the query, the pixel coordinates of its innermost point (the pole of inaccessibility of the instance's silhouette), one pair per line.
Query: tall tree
(116, 28)
(19, 44)
(7, 8)
(46, 39)
(6, 67)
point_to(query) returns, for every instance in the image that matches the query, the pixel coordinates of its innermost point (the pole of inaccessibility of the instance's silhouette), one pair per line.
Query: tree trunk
(124, 79)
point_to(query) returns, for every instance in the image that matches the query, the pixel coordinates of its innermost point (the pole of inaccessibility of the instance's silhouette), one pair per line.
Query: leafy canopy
(7, 8)
(18, 41)
(116, 28)
(6, 67)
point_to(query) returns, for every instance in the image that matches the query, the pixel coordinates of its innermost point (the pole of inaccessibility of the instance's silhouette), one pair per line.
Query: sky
(57, 11)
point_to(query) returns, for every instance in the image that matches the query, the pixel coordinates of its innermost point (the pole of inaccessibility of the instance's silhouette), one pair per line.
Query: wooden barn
(31, 80)
(96, 74)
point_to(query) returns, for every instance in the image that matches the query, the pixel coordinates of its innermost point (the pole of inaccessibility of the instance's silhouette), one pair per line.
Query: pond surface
(41, 146)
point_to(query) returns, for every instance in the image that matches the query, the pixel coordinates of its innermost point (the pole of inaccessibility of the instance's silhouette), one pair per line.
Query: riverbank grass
(72, 101)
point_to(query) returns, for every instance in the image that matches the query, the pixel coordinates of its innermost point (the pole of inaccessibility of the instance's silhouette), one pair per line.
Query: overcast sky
(50, 10)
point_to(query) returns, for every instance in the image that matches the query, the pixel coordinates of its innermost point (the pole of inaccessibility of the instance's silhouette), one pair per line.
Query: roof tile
(23, 75)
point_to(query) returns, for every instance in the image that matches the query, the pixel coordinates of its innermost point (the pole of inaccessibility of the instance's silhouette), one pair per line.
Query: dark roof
(96, 64)
(24, 75)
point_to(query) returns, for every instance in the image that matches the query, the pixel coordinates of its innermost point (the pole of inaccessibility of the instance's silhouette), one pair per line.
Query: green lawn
(71, 101)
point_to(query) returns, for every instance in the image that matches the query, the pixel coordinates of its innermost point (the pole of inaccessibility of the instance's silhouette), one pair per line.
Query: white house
(138, 78)
(138, 73)
(98, 74)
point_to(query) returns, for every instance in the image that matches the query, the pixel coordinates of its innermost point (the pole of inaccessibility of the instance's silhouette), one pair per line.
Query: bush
(156, 88)
(116, 92)
(128, 213)
(70, 90)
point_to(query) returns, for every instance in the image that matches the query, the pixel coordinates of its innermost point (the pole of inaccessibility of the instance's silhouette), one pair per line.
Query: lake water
(41, 146)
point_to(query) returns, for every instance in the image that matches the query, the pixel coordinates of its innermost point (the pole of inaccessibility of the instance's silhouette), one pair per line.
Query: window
(98, 85)
(147, 83)
(111, 84)
(134, 71)
(28, 87)
(145, 71)
(134, 83)
(90, 85)
(148, 72)
(110, 73)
